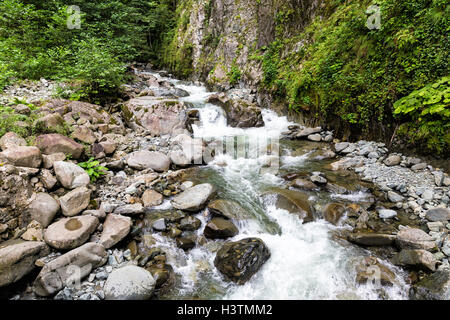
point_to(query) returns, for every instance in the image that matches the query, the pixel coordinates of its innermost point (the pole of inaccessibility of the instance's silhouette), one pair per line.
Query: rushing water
(307, 260)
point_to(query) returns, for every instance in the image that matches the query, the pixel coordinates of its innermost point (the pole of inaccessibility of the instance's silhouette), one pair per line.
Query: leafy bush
(93, 169)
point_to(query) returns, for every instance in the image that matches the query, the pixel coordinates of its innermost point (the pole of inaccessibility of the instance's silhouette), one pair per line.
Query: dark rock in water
(228, 209)
(190, 223)
(293, 201)
(435, 286)
(240, 260)
(333, 212)
(219, 228)
(372, 239)
(304, 184)
(186, 242)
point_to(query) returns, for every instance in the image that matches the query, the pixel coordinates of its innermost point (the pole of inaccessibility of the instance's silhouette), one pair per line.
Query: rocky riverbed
(173, 217)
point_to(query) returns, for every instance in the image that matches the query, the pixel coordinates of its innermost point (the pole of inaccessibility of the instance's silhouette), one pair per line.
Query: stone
(186, 242)
(11, 140)
(151, 198)
(43, 209)
(17, 259)
(318, 179)
(420, 259)
(56, 143)
(333, 212)
(428, 195)
(228, 209)
(219, 228)
(69, 268)
(438, 214)
(446, 246)
(34, 232)
(294, 202)
(23, 156)
(307, 132)
(84, 134)
(129, 209)
(304, 184)
(392, 160)
(194, 198)
(159, 225)
(438, 178)
(371, 239)
(239, 267)
(394, 197)
(346, 163)
(413, 238)
(70, 175)
(419, 166)
(129, 283)
(341, 146)
(387, 213)
(315, 137)
(75, 201)
(435, 286)
(144, 159)
(100, 213)
(109, 146)
(115, 228)
(190, 223)
(49, 160)
(48, 179)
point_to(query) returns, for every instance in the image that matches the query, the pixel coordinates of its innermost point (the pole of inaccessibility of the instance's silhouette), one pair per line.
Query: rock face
(240, 260)
(75, 201)
(55, 143)
(295, 202)
(115, 228)
(23, 156)
(129, 283)
(240, 113)
(438, 214)
(10, 140)
(43, 209)
(17, 259)
(70, 175)
(144, 159)
(69, 268)
(194, 198)
(412, 238)
(228, 209)
(219, 228)
(69, 233)
(420, 259)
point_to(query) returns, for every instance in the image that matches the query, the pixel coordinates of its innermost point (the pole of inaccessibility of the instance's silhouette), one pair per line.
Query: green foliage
(93, 169)
(10, 121)
(427, 112)
(234, 75)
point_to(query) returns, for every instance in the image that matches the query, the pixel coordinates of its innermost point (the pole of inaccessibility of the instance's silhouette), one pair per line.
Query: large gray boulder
(129, 283)
(17, 259)
(194, 198)
(115, 228)
(438, 214)
(420, 259)
(413, 238)
(144, 159)
(69, 233)
(43, 209)
(70, 175)
(69, 269)
(75, 201)
(23, 156)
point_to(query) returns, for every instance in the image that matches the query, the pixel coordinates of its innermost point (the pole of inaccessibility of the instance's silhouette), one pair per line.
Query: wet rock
(240, 260)
(371, 270)
(186, 242)
(219, 228)
(70, 175)
(438, 214)
(43, 209)
(318, 179)
(304, 184)
(56, 143)
(392, 160)
(295, 202)
(387, 213)
(23, 156)
(228, 209)
(151, 198)
(193, 199)
(333, 212)
(70, 268)
(190, 223)
(144, 159)
(412, 238)
(435, 286)
(420, 259)
(11, 140)
(17, 259)
(115, 228)
(129, 209)
(75, 201)
(371, 239)
(69, 233)
(129, 283)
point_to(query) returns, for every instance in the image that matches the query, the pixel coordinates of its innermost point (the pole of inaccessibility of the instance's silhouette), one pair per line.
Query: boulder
(84, 134)
(394, 197)
(341, 146)
(333, 212)
(129, 209)
(228, 209)
(17, 259)
(49, 160)
(23, 156)
(10, 140)
(190, 151)
(49, 123)
(347, 163)
(371, 239)
(69, 269)
(420, 259)
(151, 198)
(387, 213)
(306, 132)
(304, 184)
(413, 238)
(129, 283)
(144, 159)
(56, 143)
(239, 261)
(70, 233)
(194, 198)
(438, 214)
(315, 137)
(70, 175)
(435, 286)
(293, 201)
(392, 160)
(190, 223)
(186, 242)
(43, 209)
(75, 201)
(219, 228)
(115, 228)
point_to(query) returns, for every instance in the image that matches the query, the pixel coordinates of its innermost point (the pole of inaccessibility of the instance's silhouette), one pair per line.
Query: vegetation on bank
(41, 39)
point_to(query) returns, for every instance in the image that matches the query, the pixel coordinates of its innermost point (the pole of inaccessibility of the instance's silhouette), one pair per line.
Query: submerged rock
(219, 228)
(371, 270)
(240, 260)
(293, 201)
(228, 209)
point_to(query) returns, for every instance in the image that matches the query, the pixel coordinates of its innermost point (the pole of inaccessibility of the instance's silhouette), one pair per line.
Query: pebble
(386, 213)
